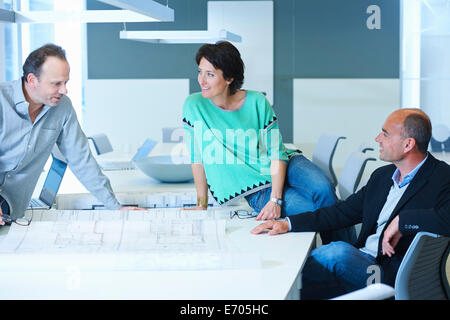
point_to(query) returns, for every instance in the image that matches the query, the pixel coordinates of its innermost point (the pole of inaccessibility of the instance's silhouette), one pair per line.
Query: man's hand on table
(274, 227)
(270, 211)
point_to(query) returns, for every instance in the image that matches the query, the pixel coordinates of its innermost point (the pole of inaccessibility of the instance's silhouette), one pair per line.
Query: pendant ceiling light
(180, 36)
(131, 11)
(215, 32)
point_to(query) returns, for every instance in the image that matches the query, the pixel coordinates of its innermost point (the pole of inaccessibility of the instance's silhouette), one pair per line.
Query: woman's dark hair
(224, 56)
(36, 59)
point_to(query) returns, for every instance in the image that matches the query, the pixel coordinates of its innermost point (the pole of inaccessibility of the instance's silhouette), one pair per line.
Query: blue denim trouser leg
(306, 188)
(336, 269)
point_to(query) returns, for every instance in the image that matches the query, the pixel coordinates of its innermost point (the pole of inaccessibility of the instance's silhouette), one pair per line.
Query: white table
(121, 180)
(278, 276)
(282, 258)
(124, 181)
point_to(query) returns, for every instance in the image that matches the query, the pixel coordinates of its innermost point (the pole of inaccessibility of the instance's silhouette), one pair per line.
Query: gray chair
(349, 181)
(363, 147)
(422, 274)
(351, 173)
(324, 152)
(101, 143)
(441, 133)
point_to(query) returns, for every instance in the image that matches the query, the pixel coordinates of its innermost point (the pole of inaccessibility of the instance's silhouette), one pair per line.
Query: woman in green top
(236, 148)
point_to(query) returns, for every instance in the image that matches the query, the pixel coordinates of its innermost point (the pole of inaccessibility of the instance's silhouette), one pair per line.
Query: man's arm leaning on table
(338, 216)
(74, 145)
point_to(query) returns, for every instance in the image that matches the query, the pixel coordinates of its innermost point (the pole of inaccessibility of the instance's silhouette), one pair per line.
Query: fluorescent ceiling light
(135, 11)
(145, 7)
(87, 16)
(180, 36)
(212, 34)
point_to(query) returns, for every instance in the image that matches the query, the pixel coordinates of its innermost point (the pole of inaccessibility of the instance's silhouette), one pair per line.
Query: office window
(21, 39)
(36, 35)
(67, 35)
(425, 62)
(9, 47)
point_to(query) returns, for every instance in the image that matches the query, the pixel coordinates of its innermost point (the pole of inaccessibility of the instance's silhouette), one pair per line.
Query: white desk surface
(124, 181)
(282, 258)
(121, 180)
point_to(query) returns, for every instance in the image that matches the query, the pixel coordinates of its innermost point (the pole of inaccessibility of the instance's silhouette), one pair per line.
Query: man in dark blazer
(400, 200)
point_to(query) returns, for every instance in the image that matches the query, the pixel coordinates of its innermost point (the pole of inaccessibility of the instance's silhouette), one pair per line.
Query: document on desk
(162, 239)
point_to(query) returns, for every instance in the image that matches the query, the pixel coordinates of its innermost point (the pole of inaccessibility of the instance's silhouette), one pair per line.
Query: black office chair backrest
(422, 274)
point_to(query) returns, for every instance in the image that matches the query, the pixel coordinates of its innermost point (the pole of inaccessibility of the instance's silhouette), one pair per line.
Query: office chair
(363, 147)
(324, 152)
(421, 275)
(351, 173)
(441, 133)
(347, 185)
(101, 143)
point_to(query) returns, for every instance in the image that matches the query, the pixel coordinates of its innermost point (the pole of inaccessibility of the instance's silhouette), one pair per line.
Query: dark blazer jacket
(425, 206)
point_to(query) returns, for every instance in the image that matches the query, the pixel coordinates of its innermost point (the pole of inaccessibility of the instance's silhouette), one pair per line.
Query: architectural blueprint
(161, 239)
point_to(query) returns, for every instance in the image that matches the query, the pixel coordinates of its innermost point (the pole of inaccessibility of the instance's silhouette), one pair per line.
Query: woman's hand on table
(270, 211)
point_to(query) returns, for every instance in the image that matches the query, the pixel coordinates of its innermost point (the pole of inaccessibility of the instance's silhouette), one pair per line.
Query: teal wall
(312, 39)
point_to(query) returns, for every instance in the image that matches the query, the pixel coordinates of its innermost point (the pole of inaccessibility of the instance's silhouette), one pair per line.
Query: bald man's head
(415, 124)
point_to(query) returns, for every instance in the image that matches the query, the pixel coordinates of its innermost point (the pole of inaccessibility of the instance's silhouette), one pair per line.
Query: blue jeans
(306, 188)
(336, 269)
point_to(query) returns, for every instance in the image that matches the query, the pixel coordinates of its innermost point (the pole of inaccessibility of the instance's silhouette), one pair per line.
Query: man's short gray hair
(417, 125)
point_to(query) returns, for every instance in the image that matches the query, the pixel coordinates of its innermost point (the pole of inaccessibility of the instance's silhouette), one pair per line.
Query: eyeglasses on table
(20, 221)
(243, 214)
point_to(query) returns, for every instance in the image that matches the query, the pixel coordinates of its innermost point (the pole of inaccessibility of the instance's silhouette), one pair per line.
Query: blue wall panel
(313, 39)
